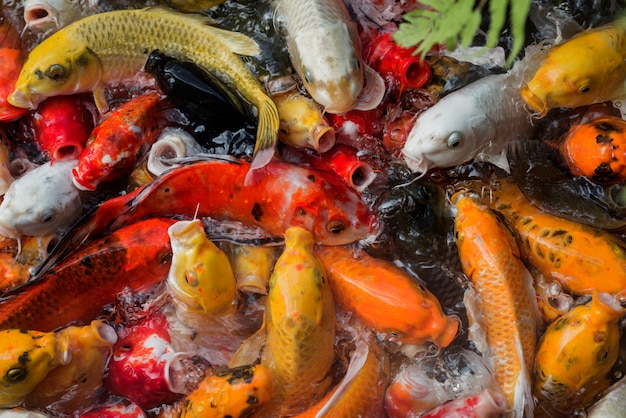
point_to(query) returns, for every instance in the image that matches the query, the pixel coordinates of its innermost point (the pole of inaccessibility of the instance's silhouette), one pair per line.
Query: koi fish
(41, 202)
(301, 122)
(333, 73)
(396, 132)
(588, 68)
(137, 256)
(252, 266)
(287, 196)
(200, 277)
(62, 126)
(73, 61)
(26, 358)
(502, 305)
(475, 122)
(5, 174)
(300, 323)
(170, 144)
(144, 367)
(236, 392)
(559, 248)
(117, 142)
(487, 404)
(75, 385)
(117, 410)
(595, 150)
(360, 392)
(386, 298)
(11, 60)
(575, 354)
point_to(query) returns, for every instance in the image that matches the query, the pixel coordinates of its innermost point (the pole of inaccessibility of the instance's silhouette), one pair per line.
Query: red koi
(137, 257)
(11, 60)
(397, 65)
(487, 404)
(115, 411)
(62, 125)
(116, 143)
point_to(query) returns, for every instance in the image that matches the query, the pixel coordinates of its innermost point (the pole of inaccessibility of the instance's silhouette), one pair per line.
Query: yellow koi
(252, 266)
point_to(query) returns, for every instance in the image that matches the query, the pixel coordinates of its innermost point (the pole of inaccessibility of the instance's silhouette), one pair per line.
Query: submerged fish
(26, 358)
(200, 277)
(588, 68)
(487, 404)
(325, 50)
(111, 46)
(41, 202)
(502, 305)
(476, 122)
(300, 318)
(575, 354)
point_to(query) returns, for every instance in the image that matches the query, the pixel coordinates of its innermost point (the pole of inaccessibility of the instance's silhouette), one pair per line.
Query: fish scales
(504, 297)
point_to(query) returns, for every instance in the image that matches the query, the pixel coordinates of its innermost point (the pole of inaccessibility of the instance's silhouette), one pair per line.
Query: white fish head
(41, 202)
(450, 133)
(332, 72)
(46, 15)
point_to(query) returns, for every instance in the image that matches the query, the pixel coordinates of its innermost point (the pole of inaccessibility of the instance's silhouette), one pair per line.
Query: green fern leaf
(519, 12)
(497, 17)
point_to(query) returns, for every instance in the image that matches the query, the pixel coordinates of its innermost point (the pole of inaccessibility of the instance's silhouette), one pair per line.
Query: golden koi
(575, 354)
(300, 322)
(103, 48)
(252, 266)
(503, 301)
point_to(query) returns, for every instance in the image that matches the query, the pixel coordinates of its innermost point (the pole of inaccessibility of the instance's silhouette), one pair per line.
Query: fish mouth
(534, 101)
(417, 165)
(19, 98)
(38, 15)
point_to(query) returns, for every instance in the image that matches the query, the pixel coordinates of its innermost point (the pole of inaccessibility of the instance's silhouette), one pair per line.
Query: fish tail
(267, 131)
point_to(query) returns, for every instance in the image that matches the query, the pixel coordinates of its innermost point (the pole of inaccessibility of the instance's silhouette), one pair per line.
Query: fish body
(360, 392)
(62, 126)
(11, 60)
(300, 323)
(77, 384)
(588, 68)
(137, 257)
(487, 404)
(580, 257)
(236, 392)
(575, 354)
(116, 144)
(611, 405)
(325, 49)
(476, 122)
(288, 196)
(41, 202)
(118, 410)
(144, 367)
(49, 15)
(111, 46)
(595, 149)
(201, 278)
(503, 304)
(301, 122)
(26, 357)
(386, 298)
(5, 158)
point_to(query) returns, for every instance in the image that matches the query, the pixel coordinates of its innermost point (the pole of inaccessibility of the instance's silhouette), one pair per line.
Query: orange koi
(137, 257)
(386, 298)
(597, 150)
(575, 354)
(117, 142)
(580, 257)
(11, 60)
(503, 301)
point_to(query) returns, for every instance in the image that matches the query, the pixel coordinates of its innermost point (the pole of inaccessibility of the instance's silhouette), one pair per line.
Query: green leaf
(469, 31)
(497, 17)
(519, 13)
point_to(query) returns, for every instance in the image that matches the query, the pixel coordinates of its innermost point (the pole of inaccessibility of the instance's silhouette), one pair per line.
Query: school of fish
(244, 208)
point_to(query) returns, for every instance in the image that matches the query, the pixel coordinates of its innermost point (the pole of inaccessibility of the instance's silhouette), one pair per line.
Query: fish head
(26, 358)
(576, 73)
(332, 73)
(445, 136)
(200, 276)
(41, 202)
(57, 66)
(47, 15)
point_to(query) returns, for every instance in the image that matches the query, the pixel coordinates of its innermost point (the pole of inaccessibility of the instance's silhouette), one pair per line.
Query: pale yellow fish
(252, 266)
(200, 276)
(108, 47)
(300, 323)
(503, 301)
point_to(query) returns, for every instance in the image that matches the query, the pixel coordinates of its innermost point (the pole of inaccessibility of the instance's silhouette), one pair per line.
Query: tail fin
(267, 131)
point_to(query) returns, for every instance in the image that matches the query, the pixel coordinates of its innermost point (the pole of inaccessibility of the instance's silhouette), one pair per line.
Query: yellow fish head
(26, 358)
(57, 66)
(580, 72)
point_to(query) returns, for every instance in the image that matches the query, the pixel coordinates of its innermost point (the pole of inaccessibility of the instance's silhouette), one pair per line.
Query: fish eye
(394, 334)
(55, 72)
(336, 227)
(47, 217)
(584, 89)
(16, 374)
(454, 140)
(308, 76)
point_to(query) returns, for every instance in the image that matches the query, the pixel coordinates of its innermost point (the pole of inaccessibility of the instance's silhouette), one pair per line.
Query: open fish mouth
(38, 15)
(417, 165)
(534, 101)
